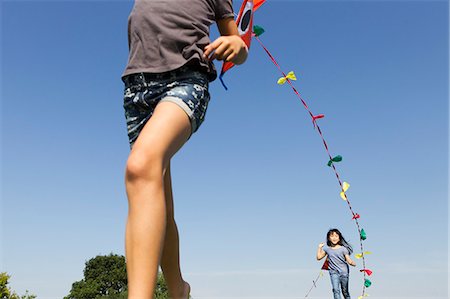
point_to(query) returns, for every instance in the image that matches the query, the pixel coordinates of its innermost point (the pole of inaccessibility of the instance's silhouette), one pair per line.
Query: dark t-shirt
(164, 35)
(336, 258)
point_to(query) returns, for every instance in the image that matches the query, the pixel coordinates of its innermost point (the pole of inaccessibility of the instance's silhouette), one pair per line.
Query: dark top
(164, 35)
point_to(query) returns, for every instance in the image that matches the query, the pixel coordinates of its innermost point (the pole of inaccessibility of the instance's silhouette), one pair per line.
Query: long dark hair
(342, 241)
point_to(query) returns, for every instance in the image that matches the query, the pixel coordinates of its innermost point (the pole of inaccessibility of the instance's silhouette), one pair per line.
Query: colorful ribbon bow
(360, 255)
(290, 75)
(356, 216)
(338, 158)
(367, 283)
(368, 272)
(363, 234)
(315, 117)
(345, 187)
(258, 30)
(365, 295)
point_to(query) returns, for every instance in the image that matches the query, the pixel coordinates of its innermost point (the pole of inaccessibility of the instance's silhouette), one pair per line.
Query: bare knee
(146, 167)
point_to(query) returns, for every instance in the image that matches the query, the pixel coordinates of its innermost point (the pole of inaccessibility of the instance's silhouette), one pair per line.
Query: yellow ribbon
(290, 75)
(365, 295)
(345, 187)
(360, 255)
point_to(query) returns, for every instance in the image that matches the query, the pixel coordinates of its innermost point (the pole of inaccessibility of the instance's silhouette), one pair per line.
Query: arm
(229, 46)
(349, 260)
(320, 253)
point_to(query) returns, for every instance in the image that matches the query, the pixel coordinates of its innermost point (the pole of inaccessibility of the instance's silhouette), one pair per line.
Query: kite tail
(361, 232)
(223, 83)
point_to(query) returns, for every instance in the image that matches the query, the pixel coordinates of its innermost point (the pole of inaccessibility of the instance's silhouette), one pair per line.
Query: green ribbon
(258, 30)
(367, 283)
(338, 158)
(363, 234)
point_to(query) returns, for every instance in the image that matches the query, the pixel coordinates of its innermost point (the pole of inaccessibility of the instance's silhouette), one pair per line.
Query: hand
(228, 48)
(321, 245)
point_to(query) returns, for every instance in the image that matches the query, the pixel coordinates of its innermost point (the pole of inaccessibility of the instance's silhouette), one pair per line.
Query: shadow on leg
(170, 262)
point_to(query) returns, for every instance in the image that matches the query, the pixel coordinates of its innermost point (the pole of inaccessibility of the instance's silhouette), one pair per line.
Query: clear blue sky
(260, 197)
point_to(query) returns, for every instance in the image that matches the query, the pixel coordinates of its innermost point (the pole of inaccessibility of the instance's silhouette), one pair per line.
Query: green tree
(161, 291)
(7, 293)
(105, 277)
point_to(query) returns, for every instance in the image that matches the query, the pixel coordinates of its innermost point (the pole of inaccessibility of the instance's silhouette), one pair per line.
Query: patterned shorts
(186, 87)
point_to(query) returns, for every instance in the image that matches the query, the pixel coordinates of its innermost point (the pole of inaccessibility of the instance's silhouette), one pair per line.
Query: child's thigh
(190, 91)
(164, 133)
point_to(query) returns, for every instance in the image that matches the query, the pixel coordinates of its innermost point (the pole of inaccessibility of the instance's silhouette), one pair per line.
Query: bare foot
(186, 292)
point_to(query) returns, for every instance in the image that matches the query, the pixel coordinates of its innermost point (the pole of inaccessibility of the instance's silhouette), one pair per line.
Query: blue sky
(253, 194)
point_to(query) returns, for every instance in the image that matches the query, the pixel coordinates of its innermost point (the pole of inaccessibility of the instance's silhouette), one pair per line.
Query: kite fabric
(326, 265)
(244, 24)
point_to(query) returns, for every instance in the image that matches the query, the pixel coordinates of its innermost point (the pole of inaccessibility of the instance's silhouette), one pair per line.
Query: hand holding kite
(227, 48)
(244, 24)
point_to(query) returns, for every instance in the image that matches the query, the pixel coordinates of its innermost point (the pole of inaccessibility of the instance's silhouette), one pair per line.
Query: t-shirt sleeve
(346, 251)
(224, 9)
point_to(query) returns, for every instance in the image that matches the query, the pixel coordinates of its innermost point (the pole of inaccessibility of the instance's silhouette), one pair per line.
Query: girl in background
(338, 253)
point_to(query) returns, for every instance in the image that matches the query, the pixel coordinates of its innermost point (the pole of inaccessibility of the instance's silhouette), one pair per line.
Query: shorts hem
(185, 107)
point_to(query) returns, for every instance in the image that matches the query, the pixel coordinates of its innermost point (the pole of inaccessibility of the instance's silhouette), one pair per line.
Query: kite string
(326, 148)
(314, 283)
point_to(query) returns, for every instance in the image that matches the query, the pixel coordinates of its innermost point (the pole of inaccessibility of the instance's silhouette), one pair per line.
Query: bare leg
(170, 262)
(163, 135)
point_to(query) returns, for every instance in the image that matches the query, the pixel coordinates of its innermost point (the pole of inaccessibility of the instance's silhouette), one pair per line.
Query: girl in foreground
(166, 96)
